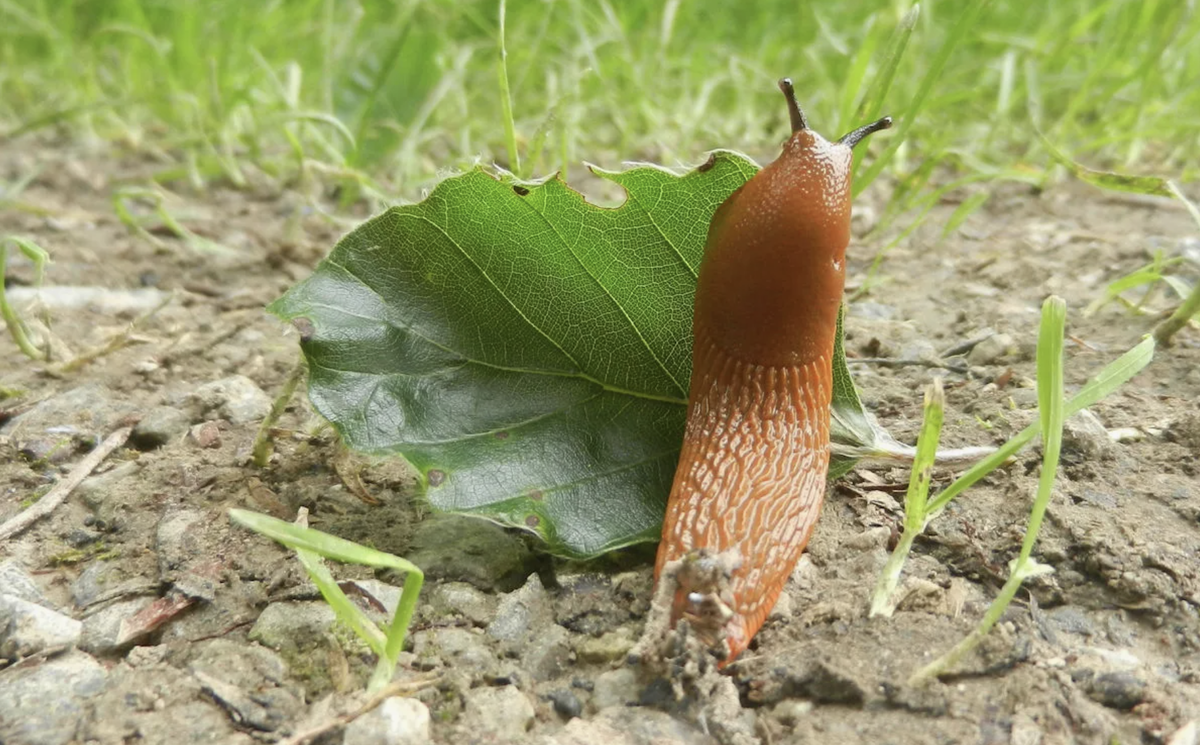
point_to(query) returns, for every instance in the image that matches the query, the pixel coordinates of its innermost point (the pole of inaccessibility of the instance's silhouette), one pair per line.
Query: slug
(751, 473)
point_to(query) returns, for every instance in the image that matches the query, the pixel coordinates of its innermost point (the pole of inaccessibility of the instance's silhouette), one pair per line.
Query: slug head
(774, 264)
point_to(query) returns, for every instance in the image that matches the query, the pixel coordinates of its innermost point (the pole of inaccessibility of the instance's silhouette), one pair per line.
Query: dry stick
(62, 489)
(398, 688)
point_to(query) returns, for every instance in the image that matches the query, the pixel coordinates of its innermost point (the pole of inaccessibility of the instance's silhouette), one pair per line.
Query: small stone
(460, 598)
(991, 350)
(96, 490)
(548, 654)
(95, 582)
(17, 582)
(640, 725)
(176, 540)
(522, 615)
(504, 712)
(147, 656)
(397, 721)
(89, 412)
(236, 398)
(589, 732)
(1024, 398)
(871, 310)
(566, 703)
(27, 628)
(1117, 690)
(293, 626)
(1188, 734)
(791, 712)
(459, 648)
(618, 687)
(614, 645)
(108, 630)
(44, 704)
(467, 549)
(1084, 434)
(159, 426)
(1185, 430)
(206, 435)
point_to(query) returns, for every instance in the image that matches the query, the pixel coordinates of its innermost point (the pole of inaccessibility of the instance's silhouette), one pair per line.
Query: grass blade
(1052, 415)
(915, 500)
(965, 23)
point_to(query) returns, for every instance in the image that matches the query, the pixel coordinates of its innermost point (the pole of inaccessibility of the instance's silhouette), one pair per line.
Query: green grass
(311, 547)
(394, 93)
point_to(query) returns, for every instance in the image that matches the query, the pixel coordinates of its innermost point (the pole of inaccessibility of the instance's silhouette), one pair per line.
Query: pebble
(205, 435)
(236, 398)
(459, 648)
(642, 726)
(17, 582)
(44, 704)
(618, 687)
(89, 411)
(27, 628)
(871, 311)
(522, 615)
(95, 490)
(1085, 435)
(503, 712)
(586, 732)
(397, 721)
(566, 703)
(790, 712)
(107, 631)
(1188, 734)
(991, 350)
(614, 645)
(462, 599)
(160, 426)
(1117, 690)
(467, 549)
(293, 625)
(548, 654)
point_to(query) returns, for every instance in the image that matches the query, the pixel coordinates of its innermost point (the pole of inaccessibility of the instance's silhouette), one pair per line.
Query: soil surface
(136, 612)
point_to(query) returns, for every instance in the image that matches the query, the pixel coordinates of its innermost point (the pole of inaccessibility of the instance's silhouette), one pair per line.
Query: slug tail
(749, 486)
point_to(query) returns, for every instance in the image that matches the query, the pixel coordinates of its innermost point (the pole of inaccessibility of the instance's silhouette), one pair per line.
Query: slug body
(751, 474)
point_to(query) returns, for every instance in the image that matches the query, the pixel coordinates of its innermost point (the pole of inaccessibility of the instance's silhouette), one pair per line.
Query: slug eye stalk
(851, 139)
(799, 123)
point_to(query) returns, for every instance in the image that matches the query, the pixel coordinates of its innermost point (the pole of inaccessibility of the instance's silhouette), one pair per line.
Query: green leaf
(529, 353)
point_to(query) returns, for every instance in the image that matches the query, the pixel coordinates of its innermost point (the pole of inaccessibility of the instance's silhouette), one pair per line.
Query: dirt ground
(194, 630)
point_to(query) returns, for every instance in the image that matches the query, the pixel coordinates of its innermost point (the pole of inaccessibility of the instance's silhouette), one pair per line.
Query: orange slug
(751, 474)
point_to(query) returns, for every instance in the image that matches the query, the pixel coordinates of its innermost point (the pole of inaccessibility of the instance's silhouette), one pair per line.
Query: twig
(399, 688)
(895, 362)
(62, 489)
(967, 345)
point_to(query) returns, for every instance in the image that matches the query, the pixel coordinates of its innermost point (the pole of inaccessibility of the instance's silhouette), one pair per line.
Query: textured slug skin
(751, 473)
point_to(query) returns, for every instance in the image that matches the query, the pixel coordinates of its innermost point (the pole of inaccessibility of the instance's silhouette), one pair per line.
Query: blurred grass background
(395, 93)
